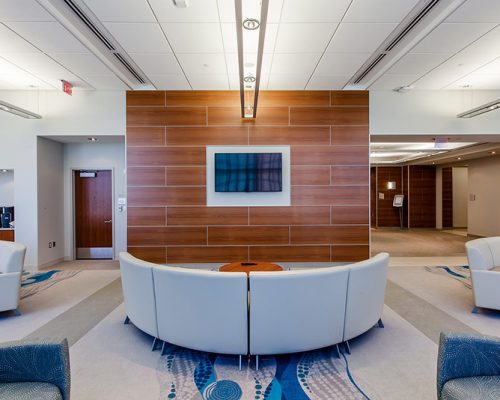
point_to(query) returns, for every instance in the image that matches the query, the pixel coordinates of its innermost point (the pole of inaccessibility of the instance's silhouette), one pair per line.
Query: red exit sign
(67, 87)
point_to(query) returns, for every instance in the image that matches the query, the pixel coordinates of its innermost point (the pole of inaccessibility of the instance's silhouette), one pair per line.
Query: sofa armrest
(36, 362)
(10, 283)
(485, 285)
(462, 355)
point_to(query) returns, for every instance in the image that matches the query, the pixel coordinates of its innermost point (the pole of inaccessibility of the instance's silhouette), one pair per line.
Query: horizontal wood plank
(350, 175)
(186, 176)
(146, 216)
(289, 135)
(146, 176)
(166, 116)
(164, 236)
(221, 135)
(210, 254)
(145, 98)
(329, 116)
(350, 135)
(310, 175)
(226, 98)
(290, 253)
(329, 195)
(156, 255)
(350, 253)
(289, 215)
(247, 235)
(350, 215)
(151, 156)
(207, 215)
(330, 155)
(166, 196)
(350, 97)
(329, 234)
(232, 116)
(146, 136)
(272, 98)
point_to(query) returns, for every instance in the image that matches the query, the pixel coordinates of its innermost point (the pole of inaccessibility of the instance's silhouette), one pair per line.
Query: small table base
(248, 267)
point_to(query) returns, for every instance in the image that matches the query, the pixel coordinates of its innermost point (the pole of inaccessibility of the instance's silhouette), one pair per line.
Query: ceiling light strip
(491, 106)
(239, 38)
(21, 112)
(260, 53)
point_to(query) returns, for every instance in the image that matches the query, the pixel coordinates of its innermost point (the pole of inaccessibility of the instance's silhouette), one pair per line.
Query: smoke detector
(181, 3)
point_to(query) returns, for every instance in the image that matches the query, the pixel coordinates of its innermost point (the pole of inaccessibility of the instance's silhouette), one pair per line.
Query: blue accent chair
(34, 371)
(468, 367)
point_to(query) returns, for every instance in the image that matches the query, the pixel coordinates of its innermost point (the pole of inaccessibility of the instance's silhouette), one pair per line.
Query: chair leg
(347, 347)
(380, 323)
(17, 313)
(240, 357)
(155, 343)
(337, 350)
(163, 348)
(475, 310)
(256, 363)
(127, 320)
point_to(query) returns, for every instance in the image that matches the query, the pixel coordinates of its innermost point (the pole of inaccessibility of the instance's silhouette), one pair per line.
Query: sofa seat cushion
(29, 391)
(497, 269)
(473, 388)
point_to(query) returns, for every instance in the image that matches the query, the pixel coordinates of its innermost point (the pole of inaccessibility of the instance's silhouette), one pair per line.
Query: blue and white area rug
(460, 273)
(32, 284)
(192, 375)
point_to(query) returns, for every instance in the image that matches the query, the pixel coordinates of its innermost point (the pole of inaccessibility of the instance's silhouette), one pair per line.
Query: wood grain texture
(7, 235)
(221, 135)
(166, 116)
(350, 98)
(146, 176)
(387, 215)
(329, 116)
(350, 253)
(164, 236)
(352, 175)
(225, 98)
(289, 215)
(149, 156)
(345, 215)
(146, 136)
(329, 195)
(210, 254)
(447, 197)
(422, 195)
(145, 98)
(272, 98)
(329, 234)
(373, 197)
(146, 216)
(232, 116)
(310, 175)
(290, 253)
(156, 255)
(329, 155)
(247, 235)
(186, 176)
(289, 135)
(166, 196)
(207, 216)
(350, 135)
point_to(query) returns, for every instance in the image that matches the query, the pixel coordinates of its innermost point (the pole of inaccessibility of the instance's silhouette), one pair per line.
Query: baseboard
(50, 263)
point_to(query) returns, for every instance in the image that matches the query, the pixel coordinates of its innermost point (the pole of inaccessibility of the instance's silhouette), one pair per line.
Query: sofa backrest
(484, 253)
(294, 311)
(202, 310)
(138, 292)
(365, 294)
(11, 256)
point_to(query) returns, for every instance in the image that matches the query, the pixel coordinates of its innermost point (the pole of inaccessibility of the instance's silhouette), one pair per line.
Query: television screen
(248, 172)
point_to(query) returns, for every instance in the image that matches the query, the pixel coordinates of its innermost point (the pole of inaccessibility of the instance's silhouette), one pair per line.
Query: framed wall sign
(398, 200)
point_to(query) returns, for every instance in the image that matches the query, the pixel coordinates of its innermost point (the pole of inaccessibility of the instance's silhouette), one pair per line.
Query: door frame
(73, 208)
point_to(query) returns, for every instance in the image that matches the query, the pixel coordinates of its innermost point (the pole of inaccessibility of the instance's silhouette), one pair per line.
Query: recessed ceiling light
(251, 24)
(493, 152)
(459, 158)
(93, 139)
(181, 3)
(4, 170)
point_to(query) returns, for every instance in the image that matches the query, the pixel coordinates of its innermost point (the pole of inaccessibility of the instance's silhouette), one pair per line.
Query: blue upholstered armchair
(34, 371)
(468, 367)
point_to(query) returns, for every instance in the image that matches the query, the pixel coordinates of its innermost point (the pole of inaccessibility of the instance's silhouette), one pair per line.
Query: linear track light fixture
(21, 112)
(250, 34)
(494, 105)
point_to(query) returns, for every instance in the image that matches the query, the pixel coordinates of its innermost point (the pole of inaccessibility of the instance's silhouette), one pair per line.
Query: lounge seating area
(209, 310)
(11, 268)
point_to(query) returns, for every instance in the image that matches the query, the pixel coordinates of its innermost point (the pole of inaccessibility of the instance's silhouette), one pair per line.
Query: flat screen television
(248, 172)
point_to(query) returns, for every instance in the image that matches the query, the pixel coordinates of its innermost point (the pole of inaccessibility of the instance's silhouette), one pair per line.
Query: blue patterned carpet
(188, 375)
(34, 283)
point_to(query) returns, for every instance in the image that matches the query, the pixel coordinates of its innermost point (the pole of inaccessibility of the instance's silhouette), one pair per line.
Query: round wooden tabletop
(250, 267)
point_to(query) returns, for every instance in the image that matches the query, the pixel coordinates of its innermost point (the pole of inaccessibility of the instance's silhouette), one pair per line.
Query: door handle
(108, 221)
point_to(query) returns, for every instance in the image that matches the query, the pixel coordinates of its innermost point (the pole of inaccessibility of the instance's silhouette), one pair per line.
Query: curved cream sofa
(288, 311)
(11, 268)
(484, 262)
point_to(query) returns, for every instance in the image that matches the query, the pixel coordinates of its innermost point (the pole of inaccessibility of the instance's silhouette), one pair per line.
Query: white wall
(50, 201)
(6, 188)
(460, 196)
(95, 156)
(484, 212)
(431, 112)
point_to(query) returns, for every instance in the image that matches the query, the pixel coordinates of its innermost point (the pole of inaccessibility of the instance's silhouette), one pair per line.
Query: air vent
(395, 40)
(104, 40)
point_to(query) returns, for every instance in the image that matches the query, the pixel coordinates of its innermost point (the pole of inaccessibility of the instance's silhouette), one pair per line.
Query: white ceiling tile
(170, 82)
(157, 64)
(379, 10)
(487, 44)
(82, 64)
(477, 11)
(304, 38)
(23, 10)
(227, 13)
(233, 66)
(250, 38)
(417, 63)
(106, 82)
(7, 67)
(390, 82)
(121, 10)
(200, 64)
(23, 81)
(50, 37)
(323, 82)
(139, 37)
(491, 68)
(10, 42)
(209, 82)
(287, 82)
(359, 38)
(341, 63)
(451, 38)
(198, 11)
(314, 10)
(294, 64)
(194, 38)
(477, 81)
(39, 65)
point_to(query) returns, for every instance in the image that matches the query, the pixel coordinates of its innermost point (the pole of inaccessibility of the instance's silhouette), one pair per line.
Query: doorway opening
(93, 205)
(455, 199)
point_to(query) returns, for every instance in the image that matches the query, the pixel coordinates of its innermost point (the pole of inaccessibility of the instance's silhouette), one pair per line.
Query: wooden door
(93, 214)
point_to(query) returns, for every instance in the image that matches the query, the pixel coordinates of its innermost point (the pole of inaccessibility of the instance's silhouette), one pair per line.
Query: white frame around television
(230, 199)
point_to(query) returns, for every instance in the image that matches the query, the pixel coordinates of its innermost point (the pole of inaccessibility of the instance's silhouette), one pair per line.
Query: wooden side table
(250, 267)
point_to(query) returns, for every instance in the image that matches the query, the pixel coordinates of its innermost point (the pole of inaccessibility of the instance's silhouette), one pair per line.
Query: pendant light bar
(262, 36)
(21, 112)
(239, 38)
(494, 105)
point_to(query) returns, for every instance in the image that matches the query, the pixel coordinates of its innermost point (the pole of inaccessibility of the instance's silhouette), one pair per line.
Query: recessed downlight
(4, 170)
(251, 24)
(181, 3)
(92, 139)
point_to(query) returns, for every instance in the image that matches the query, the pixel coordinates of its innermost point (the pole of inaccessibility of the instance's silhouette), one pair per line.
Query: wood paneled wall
(387, 215)
(447, 197)
(168, 220)
(422, 193)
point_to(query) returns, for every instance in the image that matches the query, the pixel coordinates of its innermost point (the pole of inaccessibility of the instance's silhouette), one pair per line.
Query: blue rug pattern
(32, 284)
(460, 273)
(192, 375)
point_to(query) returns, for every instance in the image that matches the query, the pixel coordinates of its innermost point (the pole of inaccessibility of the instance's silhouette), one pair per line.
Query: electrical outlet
(53, 244)
(50, 245)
